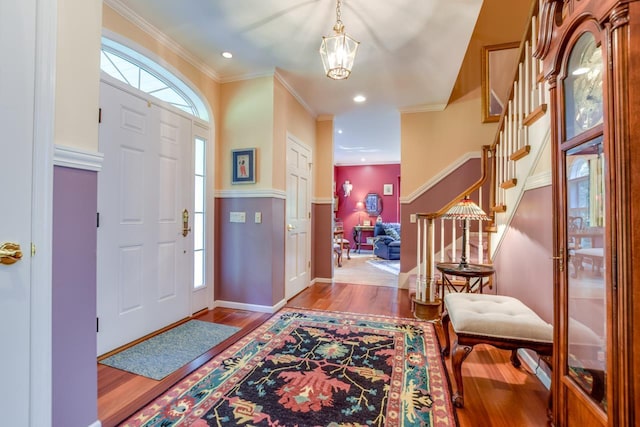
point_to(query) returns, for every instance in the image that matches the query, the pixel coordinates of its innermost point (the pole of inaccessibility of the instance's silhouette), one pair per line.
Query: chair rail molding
(76, 158)
(440, 176)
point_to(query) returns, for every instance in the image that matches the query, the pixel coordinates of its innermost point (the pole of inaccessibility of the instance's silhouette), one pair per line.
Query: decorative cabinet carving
(591, 55)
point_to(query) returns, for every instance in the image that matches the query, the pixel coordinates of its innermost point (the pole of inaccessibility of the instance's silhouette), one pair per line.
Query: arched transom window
(138, 71)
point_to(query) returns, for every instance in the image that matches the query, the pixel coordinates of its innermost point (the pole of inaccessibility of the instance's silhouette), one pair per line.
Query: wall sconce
(347, 187)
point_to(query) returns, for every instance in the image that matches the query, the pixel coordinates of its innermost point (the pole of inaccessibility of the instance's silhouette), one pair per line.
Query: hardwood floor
(496, 393)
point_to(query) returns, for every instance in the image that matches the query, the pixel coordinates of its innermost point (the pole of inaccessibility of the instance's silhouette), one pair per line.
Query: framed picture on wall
(387, 190)
(243, 166)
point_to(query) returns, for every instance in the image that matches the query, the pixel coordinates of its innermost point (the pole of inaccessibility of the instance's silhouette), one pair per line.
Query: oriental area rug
(315, 368)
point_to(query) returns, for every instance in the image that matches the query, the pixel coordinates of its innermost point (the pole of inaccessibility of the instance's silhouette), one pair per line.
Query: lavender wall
(249, 257)
(366, 179)
(433, 200)
(74, 379)
(321, 243)
(524, 268)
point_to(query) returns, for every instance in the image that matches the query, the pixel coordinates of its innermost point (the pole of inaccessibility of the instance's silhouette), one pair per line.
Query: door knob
(10, 253)
(290, 227)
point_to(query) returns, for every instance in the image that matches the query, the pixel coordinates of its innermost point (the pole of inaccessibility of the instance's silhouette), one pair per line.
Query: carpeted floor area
(358, 271)
(390, 266)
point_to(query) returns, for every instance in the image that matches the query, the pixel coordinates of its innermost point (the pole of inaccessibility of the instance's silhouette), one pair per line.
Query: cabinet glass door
(586, 292)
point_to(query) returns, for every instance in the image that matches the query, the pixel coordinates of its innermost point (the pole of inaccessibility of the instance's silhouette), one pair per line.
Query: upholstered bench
(501, 321)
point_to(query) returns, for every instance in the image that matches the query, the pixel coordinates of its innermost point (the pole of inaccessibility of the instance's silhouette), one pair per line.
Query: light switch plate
(258, 217)
(412, 218)
(237, 217)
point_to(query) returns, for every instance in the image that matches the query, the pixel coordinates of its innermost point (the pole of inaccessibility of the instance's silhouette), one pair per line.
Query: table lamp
(465, 210)
(359, 208)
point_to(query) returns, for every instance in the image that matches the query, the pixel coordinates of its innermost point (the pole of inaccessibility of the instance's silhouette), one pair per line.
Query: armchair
(386, 240)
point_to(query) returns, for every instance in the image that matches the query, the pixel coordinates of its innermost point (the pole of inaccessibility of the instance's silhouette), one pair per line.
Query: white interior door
(17, 76)
(144, 263)
(298, 215)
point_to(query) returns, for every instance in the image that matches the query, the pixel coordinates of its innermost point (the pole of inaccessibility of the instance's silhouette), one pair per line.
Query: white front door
(298, 215)
(144, 263)
(17, 76)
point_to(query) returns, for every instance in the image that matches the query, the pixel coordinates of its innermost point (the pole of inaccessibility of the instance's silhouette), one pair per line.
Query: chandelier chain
(338, 12)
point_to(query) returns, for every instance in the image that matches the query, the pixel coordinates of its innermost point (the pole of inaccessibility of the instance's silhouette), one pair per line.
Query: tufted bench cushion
(496, 316)
(501, 321)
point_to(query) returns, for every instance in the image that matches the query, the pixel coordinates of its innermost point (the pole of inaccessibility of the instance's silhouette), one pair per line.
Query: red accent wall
(367, 179)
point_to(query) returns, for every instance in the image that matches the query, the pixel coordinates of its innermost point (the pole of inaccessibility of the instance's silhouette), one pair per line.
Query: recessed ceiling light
(359, 98)
(227, 55)
(340, 131)
(363, 160)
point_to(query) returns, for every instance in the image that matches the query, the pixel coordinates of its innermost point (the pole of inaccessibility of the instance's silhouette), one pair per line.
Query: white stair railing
(516, 137)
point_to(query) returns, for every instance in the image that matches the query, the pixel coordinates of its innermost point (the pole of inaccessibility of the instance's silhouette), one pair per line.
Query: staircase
(508, 169)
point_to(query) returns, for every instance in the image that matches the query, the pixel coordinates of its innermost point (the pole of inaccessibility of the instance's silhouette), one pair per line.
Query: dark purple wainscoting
(74, 379)
(322, 242)
(249, 257)
(524, 268)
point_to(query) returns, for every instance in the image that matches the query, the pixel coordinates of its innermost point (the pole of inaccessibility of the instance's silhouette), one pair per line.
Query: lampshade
(466, 209)
(338, 51)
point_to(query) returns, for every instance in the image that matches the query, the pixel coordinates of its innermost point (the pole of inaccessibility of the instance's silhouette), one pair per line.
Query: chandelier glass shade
(338, 51)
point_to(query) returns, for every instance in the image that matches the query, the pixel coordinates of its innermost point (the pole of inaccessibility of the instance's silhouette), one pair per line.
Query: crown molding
(440, 176)
(295, 94)
(77, 159)
(391, 162)
(154, 32)
(423, 108)
(254, 193)
(247, 76)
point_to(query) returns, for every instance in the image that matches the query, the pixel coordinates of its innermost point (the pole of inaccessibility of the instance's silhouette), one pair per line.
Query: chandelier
(338, 51)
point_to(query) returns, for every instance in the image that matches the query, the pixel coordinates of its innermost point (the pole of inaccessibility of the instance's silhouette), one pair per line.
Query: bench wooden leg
(515, 361)
(445, 329)
(459, 353)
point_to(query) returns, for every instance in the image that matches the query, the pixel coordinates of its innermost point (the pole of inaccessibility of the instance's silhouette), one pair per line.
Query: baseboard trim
(403, 280)
(533, 365)
(251, 307)
(322, 280)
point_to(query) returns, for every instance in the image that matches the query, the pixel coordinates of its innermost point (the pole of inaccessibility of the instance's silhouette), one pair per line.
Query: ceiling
(408, 60)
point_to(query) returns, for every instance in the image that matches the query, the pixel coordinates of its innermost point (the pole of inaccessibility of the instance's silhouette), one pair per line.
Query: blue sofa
(386, 240)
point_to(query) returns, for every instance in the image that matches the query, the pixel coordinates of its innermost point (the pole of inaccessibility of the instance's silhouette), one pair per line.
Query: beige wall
(78, 74)
(430, 141)
(323, 162)
(246, 121)
(292, 118)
